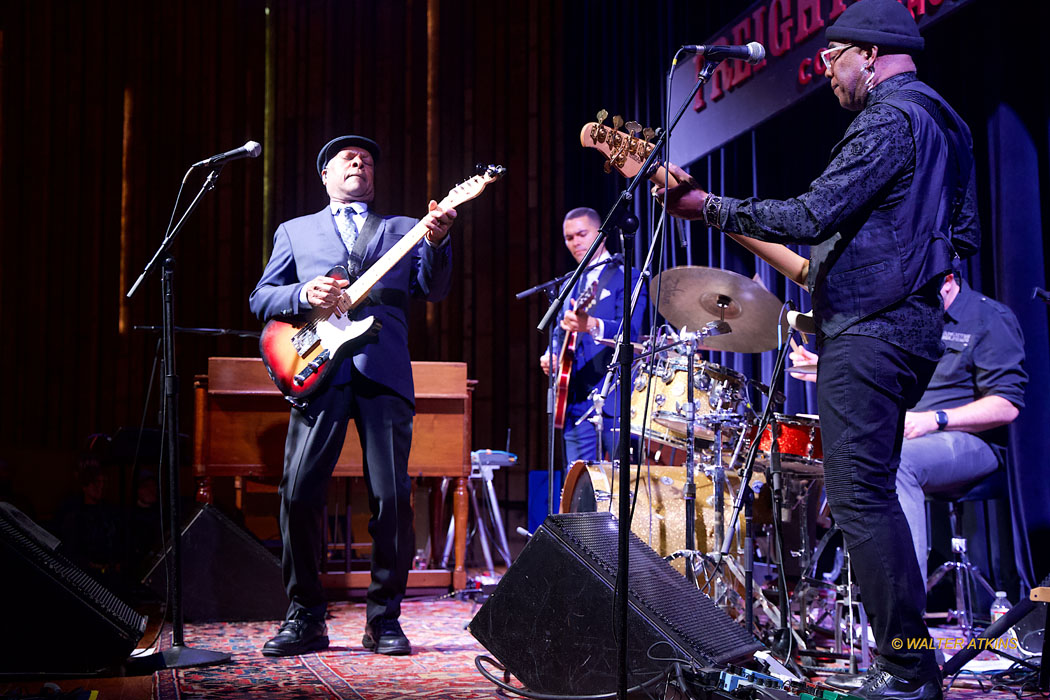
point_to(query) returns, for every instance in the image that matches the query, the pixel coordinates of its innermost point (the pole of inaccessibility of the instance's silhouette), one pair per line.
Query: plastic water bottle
(1001, 606)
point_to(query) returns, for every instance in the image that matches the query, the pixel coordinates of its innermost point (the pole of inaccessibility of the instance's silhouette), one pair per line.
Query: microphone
(252, 149)
(752, 52)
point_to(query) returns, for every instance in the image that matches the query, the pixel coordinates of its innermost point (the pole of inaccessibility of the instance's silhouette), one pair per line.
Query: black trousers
(315, 439)
(864, 387)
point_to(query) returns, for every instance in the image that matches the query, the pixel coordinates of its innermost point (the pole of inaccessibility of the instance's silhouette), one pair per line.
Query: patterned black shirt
(876, 160)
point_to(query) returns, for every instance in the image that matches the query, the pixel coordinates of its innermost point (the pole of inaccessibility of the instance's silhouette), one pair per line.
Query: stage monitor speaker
(550, 619)
(57, 618)
(228, 575)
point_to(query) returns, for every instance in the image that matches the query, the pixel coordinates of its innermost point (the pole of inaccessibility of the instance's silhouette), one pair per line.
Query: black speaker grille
(665, 596)
(60, 570)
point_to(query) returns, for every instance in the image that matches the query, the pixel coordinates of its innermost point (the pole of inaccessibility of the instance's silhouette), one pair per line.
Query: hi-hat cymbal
(802, 369)
(694, 296)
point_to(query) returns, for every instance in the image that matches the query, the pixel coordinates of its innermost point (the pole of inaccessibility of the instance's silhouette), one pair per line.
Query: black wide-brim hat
(339, 143)
(884, 23)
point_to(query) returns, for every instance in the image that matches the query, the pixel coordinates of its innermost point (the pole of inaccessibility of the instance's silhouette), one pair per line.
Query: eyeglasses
(827, 52)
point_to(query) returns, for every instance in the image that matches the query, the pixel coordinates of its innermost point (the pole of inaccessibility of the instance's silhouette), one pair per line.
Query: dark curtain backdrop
(104, 105)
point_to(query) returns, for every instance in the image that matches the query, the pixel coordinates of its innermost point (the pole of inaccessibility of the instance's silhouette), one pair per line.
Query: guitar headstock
(588, 297)
(473, 186)
(624, 151)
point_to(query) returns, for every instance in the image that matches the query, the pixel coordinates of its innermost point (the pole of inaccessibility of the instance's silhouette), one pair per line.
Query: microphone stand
(547, 287)
(628, 226)
(179, 655)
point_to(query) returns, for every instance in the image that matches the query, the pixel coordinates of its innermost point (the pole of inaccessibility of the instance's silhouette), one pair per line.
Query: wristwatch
(942, 420)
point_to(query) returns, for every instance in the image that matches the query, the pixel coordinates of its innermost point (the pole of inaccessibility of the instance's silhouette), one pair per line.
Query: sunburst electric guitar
(626, 152)
(567, 357)
(302, 357)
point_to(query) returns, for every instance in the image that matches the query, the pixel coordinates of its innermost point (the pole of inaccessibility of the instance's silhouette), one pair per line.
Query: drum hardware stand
(784, 635)
(689, 339)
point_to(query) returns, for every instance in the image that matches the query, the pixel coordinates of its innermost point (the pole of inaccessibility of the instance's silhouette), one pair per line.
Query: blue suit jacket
(592, 358)
(308, 246)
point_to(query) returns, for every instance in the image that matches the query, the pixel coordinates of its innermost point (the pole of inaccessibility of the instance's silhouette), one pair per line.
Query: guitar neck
(360, 289)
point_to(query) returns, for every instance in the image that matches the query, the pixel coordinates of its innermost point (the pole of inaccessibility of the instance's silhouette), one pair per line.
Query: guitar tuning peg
(648, 133)
(602, 115)
(617, 122)
(633, 127)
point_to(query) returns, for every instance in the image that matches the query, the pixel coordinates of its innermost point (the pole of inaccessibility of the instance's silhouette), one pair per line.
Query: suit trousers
(315, 439)
(864, 387)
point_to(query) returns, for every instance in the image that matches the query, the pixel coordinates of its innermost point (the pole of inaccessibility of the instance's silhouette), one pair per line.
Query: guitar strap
(364, 239)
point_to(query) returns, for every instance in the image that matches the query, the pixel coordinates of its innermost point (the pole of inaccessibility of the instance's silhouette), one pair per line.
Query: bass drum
(659, 515)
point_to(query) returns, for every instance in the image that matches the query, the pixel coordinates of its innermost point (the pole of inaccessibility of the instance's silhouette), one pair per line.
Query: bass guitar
(303, 355)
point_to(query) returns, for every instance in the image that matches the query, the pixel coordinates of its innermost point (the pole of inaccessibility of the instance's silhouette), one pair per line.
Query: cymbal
(694, 296)
(802, 369)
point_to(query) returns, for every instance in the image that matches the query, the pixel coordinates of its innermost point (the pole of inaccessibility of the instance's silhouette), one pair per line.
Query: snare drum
(801, 450)
(716, 390)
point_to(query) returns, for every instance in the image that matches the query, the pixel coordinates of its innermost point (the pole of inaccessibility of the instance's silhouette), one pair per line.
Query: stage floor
(441, 666)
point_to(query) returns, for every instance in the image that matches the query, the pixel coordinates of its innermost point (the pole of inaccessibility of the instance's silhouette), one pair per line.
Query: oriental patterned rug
(440, 667)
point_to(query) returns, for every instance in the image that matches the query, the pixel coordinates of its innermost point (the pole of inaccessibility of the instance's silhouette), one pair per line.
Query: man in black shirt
(883, 220)
(956, 434)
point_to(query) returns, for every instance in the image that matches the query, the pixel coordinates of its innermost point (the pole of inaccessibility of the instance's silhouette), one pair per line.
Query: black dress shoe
(384, 636)
(299, 635)
(882, 685)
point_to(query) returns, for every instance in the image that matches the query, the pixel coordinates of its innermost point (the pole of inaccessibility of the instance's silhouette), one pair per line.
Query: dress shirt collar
(360, 208)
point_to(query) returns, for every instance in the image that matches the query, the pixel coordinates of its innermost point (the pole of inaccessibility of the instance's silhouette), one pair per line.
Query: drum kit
(684, 405)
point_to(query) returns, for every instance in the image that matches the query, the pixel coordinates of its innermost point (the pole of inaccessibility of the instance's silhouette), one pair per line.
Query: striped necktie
(344, 220)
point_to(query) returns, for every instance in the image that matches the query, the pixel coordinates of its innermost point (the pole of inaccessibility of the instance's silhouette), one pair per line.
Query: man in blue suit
(374, 388)
(600, 321)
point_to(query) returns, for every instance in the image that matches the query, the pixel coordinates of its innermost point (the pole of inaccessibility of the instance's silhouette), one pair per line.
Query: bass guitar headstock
(624, 150)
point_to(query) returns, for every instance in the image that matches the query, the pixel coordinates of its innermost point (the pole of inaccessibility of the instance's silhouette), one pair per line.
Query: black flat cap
(884, 23)
(341, 142)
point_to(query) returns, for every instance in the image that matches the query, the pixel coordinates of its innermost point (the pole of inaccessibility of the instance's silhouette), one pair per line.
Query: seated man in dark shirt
(956, 434)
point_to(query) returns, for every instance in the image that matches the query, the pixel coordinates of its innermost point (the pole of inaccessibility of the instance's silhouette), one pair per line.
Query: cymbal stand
(689, 340)
(783, 643)
(689, 491)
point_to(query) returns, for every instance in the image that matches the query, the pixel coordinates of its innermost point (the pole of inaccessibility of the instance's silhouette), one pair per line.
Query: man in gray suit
(374, 388)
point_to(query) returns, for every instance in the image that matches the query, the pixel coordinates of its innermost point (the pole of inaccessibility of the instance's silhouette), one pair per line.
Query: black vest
(893, 246)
